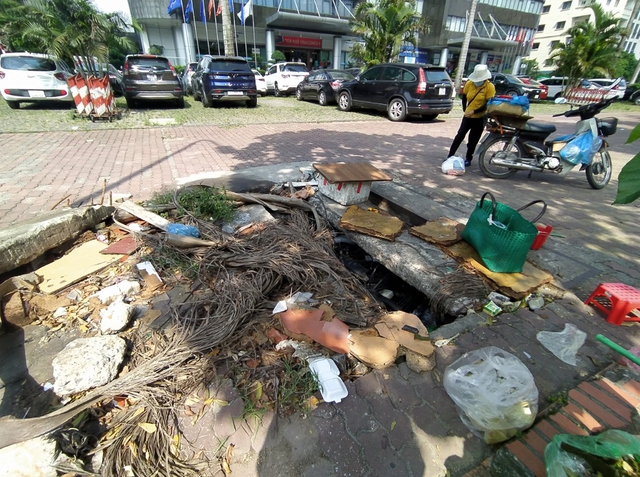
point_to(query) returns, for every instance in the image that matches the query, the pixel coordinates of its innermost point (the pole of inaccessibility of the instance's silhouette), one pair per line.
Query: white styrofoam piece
(331, 386)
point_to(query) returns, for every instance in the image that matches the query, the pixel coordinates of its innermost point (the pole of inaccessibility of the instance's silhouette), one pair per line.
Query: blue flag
(173, 5)
(231, 6)
(188, 10)
(203, 16)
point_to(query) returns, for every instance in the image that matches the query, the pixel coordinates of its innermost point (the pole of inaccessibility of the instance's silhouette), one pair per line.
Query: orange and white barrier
(80, 92)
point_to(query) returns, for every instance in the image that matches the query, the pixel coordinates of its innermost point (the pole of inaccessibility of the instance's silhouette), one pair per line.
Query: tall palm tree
(594, 48)
(384, 27)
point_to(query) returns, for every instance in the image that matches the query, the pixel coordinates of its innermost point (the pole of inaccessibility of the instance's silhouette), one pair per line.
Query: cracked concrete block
(23, 242)
(420, 363)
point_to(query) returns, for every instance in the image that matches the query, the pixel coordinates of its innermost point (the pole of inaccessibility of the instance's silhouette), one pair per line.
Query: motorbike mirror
(560, 100)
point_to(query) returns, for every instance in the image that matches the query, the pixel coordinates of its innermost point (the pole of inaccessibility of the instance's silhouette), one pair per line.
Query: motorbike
(514, 144)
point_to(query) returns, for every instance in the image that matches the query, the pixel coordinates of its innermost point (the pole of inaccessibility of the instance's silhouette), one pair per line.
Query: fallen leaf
(133, 448)
(226, 462)
(137, 412)
(188, 411)
(149, 427)
(393, 425)
(252, 363)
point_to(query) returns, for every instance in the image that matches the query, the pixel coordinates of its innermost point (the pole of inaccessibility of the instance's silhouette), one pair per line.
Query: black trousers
(473, 126)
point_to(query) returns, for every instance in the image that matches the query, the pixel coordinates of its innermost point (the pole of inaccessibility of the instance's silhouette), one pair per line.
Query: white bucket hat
(480, 73)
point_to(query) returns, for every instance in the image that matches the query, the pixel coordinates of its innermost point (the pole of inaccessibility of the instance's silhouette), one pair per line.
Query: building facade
(560, 15)
(317, 32)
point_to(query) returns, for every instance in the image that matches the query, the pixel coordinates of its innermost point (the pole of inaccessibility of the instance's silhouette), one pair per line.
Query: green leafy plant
(207, 203)
(561, 398)
(156, 50)
(297, 385)
(629, 178)
(278, 56)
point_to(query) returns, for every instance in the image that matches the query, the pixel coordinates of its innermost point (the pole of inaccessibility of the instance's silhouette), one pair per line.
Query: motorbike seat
(536, 127)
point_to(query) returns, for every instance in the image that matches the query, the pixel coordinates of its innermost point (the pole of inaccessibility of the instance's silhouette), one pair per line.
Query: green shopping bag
(501, 236)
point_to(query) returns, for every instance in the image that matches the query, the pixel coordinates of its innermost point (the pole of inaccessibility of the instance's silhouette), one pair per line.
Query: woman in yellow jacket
(475, 94)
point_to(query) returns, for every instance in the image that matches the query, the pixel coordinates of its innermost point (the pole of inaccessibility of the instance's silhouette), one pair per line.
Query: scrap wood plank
(144, 214)
(371, 223)
(515, 285)
(358, 172)
(81, 262)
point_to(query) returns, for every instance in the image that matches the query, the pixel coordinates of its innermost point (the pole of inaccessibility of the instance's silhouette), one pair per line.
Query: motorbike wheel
(498, 146)
(599, 171)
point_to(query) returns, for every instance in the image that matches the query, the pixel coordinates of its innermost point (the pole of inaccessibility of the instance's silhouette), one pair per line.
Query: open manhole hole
(386, 287)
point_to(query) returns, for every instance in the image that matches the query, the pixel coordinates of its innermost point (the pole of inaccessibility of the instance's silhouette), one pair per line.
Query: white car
(617, 91)
(283, 78)
(33, 77)
(261, 84)
(557, 86)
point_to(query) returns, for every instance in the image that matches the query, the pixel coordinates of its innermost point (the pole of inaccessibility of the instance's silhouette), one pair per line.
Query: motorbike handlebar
(587, 110)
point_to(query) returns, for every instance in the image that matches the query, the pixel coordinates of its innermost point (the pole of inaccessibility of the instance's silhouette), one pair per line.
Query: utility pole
(462, 62)
(227, 29)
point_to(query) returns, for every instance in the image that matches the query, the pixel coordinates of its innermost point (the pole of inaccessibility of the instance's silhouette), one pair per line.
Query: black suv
(400, 89)
(224, 78)
(150, 78)
(510, 85)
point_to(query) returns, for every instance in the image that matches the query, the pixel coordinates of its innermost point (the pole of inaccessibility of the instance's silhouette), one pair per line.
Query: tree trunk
(227, 29)
(462, 62)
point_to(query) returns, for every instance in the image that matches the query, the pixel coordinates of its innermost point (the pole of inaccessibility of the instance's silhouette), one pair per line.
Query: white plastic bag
(453, 166)
(494, 391)
(564, 344)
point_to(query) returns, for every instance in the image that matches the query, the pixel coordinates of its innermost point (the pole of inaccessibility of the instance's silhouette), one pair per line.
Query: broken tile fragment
(371, 223)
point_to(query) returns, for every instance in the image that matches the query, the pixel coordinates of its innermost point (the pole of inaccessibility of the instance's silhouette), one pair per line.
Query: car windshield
(227, 65)
(341, 75)
(437, 75)
(28, 63)
(150, 63)
(513, 80)
(295, 68)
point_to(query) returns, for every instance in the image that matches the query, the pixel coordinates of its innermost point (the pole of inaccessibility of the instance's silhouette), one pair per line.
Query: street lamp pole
(462, 62)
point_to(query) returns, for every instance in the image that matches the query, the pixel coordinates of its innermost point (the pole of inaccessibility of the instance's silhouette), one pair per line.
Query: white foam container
(331, 386)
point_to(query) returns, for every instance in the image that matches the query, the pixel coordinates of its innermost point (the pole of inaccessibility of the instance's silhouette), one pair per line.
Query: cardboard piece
(390, 327)
(372, 350)
(514, 285)
(355, 172)
(371, 223)
(81, 262)
(442, 231)
(150, 275)
(331, 334)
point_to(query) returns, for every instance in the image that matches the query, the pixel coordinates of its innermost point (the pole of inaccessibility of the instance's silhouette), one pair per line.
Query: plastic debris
(445, 341)
(280, 307)
(75, 295)
(563, 344)
(331, 386)
(60, 312)
(535, 303)
(492, 309)
(181, 229)
(495, 393)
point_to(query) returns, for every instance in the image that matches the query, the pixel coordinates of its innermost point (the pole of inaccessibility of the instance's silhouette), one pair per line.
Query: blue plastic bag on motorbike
(581, 149)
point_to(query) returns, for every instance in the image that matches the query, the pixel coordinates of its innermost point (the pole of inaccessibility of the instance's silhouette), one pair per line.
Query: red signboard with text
(299, 42)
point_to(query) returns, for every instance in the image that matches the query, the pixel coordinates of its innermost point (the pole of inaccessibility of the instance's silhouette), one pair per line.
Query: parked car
(510, 85)
(354, 71)
(32, 78)
(151, 78)
(400, 89)
(322, 85)
(224, 78)
(261, 84)
(187, 74)
(619, 89)
(558, 84)
(115, 80)
(544, 89)
(283, 78)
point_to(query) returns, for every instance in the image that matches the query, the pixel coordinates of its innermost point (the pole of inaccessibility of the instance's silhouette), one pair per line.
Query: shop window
(565, 6)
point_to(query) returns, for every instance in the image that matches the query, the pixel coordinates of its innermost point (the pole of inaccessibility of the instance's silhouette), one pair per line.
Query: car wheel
(206, 102)
(276, 91)
(253, 102)
(322, 98)
(196, 96)
(397, 110)
(636, 100)
(344, 101)
(13, 104)
(130, 102)
(429, 117)
(263, 94)
(298, 94)
(512, 93)
(180, 102)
